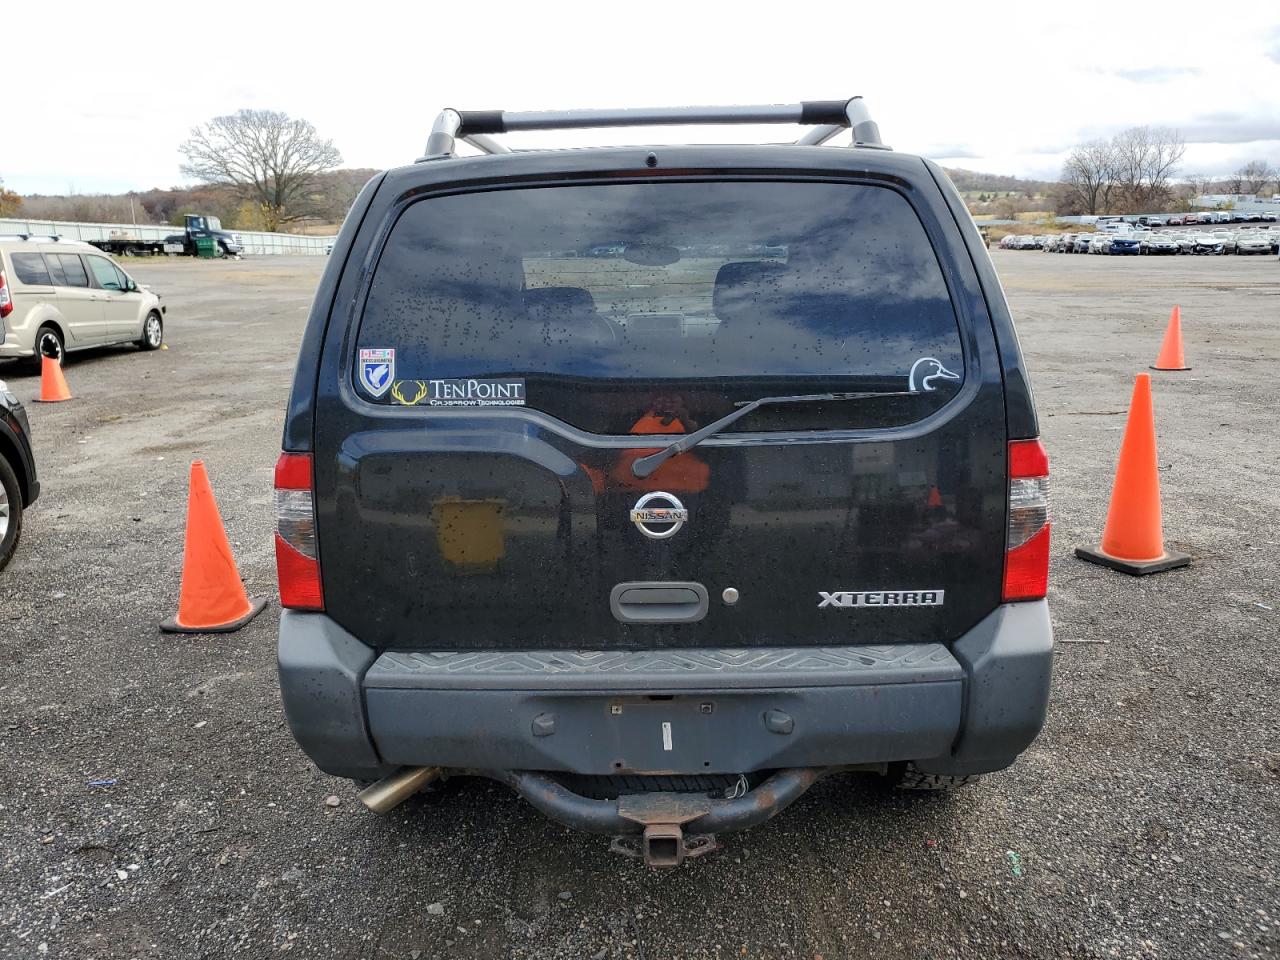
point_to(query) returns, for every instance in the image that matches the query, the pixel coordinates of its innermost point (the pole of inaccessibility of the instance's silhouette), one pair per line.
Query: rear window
(29, 268)
(608, 306)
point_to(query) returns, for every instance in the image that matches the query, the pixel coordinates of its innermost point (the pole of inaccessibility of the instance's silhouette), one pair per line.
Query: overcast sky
(99, 97)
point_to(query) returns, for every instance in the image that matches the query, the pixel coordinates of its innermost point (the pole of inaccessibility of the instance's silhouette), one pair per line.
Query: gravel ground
(1143, 823)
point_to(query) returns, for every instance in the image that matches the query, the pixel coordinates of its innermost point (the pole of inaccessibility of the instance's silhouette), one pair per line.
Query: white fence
(255, 244)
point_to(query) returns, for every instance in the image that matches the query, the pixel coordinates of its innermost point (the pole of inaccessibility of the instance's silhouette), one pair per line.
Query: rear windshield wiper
(646, 465)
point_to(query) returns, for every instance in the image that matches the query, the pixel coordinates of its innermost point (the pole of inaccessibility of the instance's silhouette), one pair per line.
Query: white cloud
(1007, 90)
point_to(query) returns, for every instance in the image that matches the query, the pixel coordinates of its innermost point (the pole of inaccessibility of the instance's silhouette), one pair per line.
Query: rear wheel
(905, 776)
(152, 332)
(10, 512)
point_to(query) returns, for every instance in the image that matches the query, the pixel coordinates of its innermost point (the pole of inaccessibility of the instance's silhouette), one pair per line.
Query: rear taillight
(6, 300)
(1026, 561)
(297, 557)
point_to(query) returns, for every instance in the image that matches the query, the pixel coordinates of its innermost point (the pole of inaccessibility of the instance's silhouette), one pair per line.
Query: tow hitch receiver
(663, 815)
(653, 826)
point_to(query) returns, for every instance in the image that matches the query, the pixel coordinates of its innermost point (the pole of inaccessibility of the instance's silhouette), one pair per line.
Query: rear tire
(905, 776)
(10, 512)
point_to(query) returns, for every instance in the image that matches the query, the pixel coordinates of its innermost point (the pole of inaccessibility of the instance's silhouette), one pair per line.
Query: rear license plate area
(665, 734)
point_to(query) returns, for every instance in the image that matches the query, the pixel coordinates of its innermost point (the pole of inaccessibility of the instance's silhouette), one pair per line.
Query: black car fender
(15, 447)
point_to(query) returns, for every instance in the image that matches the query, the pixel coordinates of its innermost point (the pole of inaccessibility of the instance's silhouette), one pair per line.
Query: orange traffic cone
(53, 385)
(1133, 541)
(1171, 357)
(213, 598)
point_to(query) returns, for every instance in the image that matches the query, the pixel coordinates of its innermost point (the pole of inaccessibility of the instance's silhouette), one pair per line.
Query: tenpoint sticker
(472, 392)
(376, 368)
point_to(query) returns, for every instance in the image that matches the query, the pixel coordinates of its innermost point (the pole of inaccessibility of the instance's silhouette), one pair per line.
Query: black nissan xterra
(660, 482)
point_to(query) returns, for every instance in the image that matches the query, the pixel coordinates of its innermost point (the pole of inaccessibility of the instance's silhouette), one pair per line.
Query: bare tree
(1090, 176)
(1146, 158)
(1200, 183)
(1254, 176)
(9, 201)
(270, 159)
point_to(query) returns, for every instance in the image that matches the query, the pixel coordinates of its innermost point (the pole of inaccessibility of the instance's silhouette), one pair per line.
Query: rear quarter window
(609, 306)
(30, 269)
(72, 269)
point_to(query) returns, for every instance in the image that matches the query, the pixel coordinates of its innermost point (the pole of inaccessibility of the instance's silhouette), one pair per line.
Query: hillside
(973, 181)
(328, 204)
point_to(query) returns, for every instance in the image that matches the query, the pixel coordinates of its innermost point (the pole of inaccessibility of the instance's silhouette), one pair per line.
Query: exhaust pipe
(387, 794)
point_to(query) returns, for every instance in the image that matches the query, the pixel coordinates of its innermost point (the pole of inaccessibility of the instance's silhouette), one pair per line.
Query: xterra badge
(881, 598)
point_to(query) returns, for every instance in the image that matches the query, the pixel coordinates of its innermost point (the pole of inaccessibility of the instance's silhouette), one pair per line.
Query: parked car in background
(1156, 221)
(1082, 243)
(1161, 244)
(1101, 243)
(1252, 242)
(1175, 221)
(1186, 242)
(57, 296)
(19, 486)
(1227, 239)
(1206, 244)
(1125, 245)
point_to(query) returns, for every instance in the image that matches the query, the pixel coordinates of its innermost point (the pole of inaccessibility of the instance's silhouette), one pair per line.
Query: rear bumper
(11, 347)
(968, 707)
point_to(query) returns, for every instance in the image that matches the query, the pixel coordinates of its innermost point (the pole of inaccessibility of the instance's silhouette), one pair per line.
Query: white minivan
(57, 296)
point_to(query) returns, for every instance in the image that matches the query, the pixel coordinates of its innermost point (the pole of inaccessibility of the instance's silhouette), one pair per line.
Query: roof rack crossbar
(474, 126)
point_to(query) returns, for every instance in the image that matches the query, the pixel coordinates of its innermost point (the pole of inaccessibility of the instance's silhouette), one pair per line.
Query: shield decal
(376, 370)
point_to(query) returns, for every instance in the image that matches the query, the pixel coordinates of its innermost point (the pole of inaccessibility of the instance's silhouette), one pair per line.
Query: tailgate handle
(658, 601)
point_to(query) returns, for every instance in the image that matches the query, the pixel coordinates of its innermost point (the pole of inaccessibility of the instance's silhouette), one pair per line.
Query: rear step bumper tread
(649, 670)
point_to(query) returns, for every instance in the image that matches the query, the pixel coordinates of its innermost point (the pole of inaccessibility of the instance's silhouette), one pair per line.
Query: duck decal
(925, 371)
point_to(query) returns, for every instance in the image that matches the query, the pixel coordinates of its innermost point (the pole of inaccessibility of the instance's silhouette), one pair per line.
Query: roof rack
(31, 236)
(828, 118)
